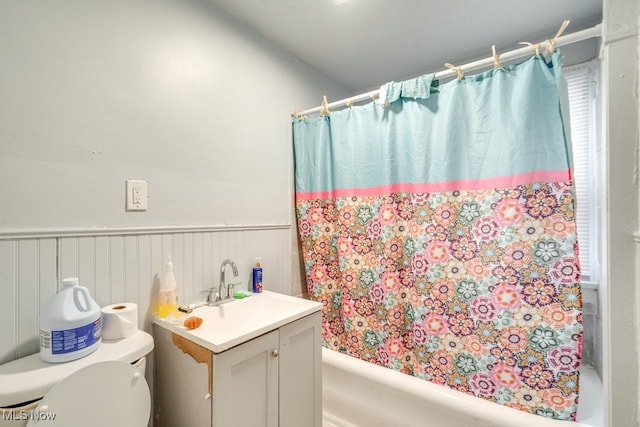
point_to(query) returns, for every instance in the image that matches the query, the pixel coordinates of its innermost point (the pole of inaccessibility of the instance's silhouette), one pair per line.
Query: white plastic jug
(70, 324)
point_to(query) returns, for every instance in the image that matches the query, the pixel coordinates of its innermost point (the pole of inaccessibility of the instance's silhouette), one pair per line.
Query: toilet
(104, 389)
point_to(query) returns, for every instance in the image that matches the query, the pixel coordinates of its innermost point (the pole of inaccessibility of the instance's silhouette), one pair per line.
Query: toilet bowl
(106, 388)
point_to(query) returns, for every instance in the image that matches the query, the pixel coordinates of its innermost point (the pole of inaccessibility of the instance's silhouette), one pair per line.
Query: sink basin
(233, 323)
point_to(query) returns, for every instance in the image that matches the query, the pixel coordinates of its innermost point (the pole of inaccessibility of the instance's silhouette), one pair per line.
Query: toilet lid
(105, 394)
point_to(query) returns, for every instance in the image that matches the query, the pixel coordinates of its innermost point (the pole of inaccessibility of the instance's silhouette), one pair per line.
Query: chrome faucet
(228, 289)
(220, 295)
(213, 298)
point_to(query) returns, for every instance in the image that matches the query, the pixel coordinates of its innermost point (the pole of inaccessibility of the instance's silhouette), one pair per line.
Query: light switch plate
(136, 195)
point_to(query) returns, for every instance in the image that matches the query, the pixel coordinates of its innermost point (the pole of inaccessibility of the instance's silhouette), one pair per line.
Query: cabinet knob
(275, 353)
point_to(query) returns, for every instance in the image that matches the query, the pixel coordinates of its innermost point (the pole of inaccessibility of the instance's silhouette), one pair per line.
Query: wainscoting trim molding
(132, 231)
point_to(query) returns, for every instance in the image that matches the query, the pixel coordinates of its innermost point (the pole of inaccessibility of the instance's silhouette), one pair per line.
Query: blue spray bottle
(256, 276)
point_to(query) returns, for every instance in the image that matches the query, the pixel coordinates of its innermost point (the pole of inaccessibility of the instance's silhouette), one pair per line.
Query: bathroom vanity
(253, 362)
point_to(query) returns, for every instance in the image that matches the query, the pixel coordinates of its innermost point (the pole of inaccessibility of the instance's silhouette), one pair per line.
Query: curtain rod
(589, 33)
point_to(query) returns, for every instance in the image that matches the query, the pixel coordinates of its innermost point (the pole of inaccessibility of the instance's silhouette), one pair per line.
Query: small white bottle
(168, 297)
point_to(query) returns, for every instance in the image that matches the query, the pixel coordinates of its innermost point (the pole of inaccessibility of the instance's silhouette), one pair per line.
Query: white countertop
(235, 322)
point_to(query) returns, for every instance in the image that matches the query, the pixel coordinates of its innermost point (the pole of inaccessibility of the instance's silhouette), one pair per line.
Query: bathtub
(356, 393)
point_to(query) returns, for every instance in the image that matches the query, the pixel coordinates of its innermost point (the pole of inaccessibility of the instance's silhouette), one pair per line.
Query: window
(581, 85)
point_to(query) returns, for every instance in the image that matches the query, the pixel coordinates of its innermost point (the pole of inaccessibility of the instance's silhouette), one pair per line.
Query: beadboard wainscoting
(125, 265)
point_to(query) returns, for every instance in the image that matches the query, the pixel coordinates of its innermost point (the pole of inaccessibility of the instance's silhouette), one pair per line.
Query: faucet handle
(212, 294)
(231, 289)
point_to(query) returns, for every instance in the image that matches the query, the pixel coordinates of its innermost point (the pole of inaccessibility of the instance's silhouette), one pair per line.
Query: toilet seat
(104, 394)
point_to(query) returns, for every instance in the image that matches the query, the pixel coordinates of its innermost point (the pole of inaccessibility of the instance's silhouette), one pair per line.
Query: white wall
(621, 266)
(169, 91)
(174, 92)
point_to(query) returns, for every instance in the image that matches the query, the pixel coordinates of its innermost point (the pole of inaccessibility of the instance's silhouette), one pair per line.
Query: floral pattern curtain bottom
(438, 232)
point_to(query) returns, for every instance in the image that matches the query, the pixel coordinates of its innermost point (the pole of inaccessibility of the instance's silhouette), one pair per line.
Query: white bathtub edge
(436, 396)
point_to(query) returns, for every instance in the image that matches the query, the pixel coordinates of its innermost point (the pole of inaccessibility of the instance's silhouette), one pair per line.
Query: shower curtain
(438, 232)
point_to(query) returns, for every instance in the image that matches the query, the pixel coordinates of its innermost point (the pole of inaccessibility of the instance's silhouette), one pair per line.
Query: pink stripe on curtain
(478, 184)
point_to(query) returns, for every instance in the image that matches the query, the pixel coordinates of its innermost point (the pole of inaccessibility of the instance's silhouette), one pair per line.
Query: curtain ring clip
(535, 46)
(457, 69)
(496, 58)
(551, 44)
(324, 108)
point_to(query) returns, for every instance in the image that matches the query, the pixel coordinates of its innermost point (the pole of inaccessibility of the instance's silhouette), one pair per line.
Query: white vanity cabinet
(270, 380)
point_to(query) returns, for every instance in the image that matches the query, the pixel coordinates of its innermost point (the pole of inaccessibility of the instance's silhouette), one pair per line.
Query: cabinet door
(245, 384)
(182, 387)
(300, 373)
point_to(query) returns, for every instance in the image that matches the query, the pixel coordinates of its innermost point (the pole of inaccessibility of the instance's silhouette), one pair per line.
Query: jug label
(71, 340)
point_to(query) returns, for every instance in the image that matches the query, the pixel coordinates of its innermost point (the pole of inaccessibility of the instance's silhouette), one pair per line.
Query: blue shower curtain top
(500, 128)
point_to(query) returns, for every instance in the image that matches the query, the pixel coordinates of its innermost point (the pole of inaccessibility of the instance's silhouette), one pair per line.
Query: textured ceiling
(364, 43)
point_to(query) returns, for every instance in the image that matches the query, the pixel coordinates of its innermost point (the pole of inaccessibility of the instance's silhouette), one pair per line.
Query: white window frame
(587, 73)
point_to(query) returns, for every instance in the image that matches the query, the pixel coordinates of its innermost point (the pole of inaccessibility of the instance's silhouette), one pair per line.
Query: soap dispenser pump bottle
(168, 303)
